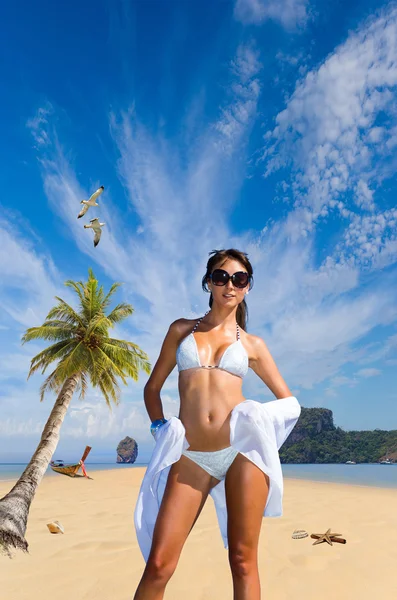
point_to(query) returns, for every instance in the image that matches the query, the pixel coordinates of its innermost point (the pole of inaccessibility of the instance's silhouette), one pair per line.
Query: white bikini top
(234, 359)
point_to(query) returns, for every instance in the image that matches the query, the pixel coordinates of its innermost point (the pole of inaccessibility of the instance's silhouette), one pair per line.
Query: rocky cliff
(315, 439)
(312, 422)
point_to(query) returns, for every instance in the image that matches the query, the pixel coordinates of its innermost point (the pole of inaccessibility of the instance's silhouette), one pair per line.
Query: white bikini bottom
(216, 463)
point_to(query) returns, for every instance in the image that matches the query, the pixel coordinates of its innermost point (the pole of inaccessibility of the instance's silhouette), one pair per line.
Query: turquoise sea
(383, 476)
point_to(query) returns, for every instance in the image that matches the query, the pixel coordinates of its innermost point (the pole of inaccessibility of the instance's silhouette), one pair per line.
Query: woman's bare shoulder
(253, 344)
(250, 338)
(182, 326)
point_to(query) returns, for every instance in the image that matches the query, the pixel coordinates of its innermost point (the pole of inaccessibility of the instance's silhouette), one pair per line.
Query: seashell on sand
(299, 533)
(55, 527)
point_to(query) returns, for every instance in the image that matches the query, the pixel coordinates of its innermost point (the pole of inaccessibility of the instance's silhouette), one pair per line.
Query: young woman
(221, 444)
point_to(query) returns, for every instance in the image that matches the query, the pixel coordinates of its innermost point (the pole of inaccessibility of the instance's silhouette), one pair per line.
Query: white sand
(98, 557)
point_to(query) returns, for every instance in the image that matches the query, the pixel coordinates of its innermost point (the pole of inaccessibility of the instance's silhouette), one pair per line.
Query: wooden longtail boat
(60, 467)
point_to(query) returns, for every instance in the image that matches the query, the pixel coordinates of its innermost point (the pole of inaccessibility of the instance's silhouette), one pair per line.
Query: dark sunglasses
(220, 277)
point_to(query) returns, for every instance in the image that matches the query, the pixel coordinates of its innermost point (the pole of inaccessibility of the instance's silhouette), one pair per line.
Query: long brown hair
(218, 258)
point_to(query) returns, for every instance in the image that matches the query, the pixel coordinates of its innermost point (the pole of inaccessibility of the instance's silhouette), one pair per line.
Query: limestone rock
(127, 450)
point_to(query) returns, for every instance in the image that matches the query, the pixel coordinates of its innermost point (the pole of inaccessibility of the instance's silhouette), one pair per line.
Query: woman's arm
(163, 367)
(262, 363)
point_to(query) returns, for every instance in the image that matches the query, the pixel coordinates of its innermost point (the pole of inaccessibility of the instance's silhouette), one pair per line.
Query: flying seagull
(97, 227)
(90, 202)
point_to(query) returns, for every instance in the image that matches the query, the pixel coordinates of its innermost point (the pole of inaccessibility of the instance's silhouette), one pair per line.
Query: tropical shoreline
(99, 545)
(361, 475)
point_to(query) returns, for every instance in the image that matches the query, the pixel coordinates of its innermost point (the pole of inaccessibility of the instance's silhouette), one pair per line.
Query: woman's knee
(160, 568)
(243, 561)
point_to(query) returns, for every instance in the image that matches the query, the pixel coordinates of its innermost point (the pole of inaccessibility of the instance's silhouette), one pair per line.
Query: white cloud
(16, 427)
(160, 191)
(289, 59)
(31, 275)
(380, 350)
(311, 316)
(246, 64)
(368, 373)
(14, 364)
(370, 240)
(94, 420)
(238, 115)
(39, 123)
(309, 319)
(291, 14)
(328, 135)
(155, 262)
(331, 393)
(23, 417)
(343, 380)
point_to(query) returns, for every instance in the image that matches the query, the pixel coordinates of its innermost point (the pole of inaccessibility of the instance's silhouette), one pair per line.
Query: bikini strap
(199, 321)
(201, 318)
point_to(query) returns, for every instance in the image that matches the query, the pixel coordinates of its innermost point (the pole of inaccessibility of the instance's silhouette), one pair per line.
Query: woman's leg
(246, 488)
(185, 493)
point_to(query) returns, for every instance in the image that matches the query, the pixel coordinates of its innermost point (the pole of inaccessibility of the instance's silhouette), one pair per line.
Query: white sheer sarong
(257, 430)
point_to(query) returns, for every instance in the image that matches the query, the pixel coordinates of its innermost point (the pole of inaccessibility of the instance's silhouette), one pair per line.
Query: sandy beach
(98, 557)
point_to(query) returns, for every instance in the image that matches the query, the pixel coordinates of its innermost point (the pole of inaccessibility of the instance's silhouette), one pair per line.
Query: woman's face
(228, 295)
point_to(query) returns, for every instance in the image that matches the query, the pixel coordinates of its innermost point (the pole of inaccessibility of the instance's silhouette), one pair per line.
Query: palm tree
(84, 352)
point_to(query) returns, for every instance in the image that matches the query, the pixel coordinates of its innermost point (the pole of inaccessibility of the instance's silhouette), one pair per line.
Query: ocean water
(384, 476)
(11, 471)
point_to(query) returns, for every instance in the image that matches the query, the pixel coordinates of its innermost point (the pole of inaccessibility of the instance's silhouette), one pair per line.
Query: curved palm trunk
(14, 507)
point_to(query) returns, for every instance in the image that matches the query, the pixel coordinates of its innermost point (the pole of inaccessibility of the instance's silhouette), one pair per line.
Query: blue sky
(262, 125)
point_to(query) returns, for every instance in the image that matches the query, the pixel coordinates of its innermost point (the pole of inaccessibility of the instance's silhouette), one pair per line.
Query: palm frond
(49, 355)
(82, 385)
(53, 382)
(65, 312)
(121, 343)
(109, 388)
(91, 305)
(48, 331)
(120, 312)
(76, 361)
(56, 323)
(78, 287)
(94, 368)
(100, 295)
(106, 300)
(108, 365)
(126, 360)
(101, 323)
(128, 346)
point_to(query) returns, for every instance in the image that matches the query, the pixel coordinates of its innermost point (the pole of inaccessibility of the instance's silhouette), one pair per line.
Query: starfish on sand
(325, 537)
